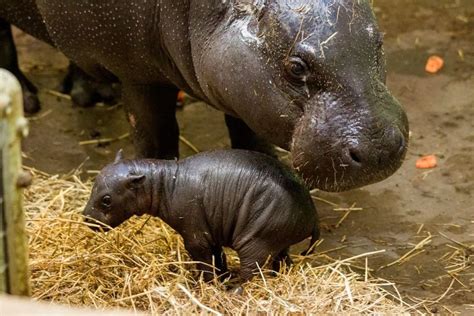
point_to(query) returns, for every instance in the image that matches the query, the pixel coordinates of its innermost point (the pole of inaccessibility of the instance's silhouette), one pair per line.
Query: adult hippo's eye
(297, 69)
(106, 201)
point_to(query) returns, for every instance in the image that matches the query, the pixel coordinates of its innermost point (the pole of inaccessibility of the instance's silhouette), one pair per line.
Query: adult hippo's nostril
(402, 144)
(395, 143)
(391, 148)
(355, 157)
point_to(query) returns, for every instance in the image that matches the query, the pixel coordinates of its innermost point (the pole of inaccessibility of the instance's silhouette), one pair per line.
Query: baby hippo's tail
(314, 240)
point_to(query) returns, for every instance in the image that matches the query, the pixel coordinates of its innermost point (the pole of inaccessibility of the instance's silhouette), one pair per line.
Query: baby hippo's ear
(119, 155)
(134, 181)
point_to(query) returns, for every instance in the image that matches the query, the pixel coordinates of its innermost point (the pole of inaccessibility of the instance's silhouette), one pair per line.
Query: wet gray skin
(244, 200)
(308, 76)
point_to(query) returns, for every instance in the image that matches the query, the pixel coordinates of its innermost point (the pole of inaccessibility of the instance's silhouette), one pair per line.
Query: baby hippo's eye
(106, 200)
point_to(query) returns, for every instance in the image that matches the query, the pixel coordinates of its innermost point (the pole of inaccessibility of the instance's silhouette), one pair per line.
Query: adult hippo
(308, 76)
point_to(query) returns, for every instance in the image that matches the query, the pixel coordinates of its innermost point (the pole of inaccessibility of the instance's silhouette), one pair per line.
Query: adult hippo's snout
(344, 142)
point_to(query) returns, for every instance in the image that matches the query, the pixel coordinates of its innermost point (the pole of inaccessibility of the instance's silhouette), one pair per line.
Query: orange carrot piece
(180, 96)
(427, 162)
(434, 64)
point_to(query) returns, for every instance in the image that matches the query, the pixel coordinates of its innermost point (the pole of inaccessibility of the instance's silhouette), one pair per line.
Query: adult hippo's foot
(85, 91)
(9, 61)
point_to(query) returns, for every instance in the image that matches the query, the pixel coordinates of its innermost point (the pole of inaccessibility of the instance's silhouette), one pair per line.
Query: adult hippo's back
(308, 76)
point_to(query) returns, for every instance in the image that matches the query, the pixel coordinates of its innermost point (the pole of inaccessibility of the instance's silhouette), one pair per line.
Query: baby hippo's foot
(215, 276)
(236, 290)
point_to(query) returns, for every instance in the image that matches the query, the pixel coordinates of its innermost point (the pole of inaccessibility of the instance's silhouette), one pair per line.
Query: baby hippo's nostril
(89, 220)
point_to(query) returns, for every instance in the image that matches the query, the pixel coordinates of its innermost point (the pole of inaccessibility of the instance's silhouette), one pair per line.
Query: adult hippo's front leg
(151, 112)
(242, 137)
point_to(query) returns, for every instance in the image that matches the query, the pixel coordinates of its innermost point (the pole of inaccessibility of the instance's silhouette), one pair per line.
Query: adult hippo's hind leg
(9, 61)
(151, 112)
(242, 137)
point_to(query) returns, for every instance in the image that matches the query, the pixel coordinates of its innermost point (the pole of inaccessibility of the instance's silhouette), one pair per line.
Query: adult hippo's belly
(308, 76)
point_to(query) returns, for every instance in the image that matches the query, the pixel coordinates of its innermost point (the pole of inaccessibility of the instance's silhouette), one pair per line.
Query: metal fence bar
(14, 272)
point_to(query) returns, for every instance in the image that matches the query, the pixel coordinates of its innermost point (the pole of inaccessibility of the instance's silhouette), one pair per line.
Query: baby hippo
(240, 199)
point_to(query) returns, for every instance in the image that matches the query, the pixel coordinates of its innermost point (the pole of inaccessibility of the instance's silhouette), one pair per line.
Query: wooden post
(14, 272)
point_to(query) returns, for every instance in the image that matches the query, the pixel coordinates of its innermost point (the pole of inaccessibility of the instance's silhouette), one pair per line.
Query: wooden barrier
(14, 273)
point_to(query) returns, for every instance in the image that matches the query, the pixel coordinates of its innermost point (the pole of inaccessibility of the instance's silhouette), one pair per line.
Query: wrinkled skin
(239, 199)
(308, 76)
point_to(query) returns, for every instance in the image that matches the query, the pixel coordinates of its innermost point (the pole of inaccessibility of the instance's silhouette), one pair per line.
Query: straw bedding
(142, 265)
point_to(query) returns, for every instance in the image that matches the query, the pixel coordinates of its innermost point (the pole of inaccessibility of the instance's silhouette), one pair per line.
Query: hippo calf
(240, 199)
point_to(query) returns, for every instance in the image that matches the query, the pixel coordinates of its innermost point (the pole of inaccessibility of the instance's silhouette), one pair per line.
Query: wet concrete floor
(396, 214)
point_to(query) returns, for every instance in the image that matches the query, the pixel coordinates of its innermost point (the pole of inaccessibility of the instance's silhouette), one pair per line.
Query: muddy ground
(396, 214)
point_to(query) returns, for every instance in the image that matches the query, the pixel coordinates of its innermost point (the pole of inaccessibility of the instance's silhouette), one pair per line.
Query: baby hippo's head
(116, 194)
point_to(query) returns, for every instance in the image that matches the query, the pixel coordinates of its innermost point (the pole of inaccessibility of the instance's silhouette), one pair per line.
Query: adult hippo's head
(308, 76)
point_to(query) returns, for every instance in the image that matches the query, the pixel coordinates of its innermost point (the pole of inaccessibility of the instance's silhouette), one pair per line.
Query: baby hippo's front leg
(253, 256)
(211, 260)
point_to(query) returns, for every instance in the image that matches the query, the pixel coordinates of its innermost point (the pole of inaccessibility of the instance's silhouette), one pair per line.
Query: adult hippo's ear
(119, 155)
(134, 181)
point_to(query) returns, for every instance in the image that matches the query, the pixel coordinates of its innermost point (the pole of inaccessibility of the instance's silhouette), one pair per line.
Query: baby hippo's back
(244, 197)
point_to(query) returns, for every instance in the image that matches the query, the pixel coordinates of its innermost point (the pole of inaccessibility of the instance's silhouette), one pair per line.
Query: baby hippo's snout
(94, 220)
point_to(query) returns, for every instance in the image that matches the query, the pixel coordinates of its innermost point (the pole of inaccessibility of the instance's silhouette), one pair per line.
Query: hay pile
(142, 265)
